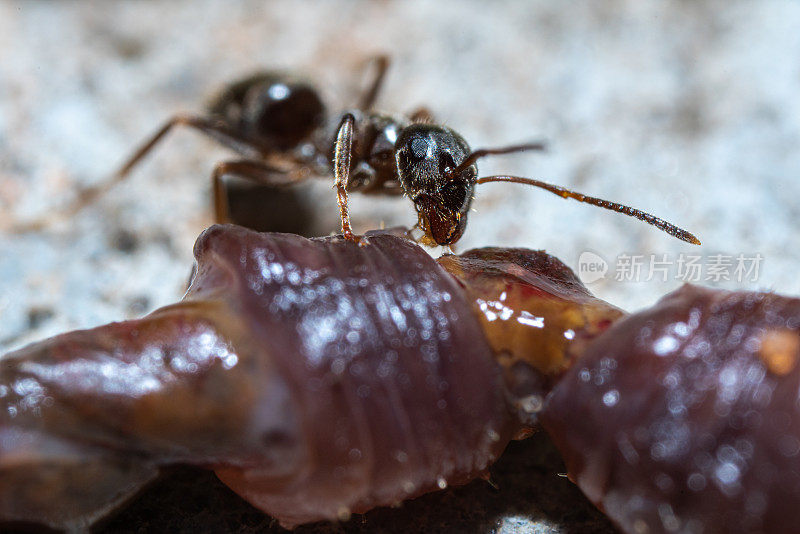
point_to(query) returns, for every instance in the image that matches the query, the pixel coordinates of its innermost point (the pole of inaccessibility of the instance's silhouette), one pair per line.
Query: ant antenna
(563, 192)
(477, 154)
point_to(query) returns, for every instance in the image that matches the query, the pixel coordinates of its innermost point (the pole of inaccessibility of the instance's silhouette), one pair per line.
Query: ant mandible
(277, 123)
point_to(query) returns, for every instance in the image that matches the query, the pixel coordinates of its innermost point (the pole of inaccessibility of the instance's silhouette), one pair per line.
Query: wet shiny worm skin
(686, 417)
(393, 389)
(316, 377)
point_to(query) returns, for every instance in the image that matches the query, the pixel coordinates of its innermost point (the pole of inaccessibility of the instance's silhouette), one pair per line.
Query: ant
(277, 123)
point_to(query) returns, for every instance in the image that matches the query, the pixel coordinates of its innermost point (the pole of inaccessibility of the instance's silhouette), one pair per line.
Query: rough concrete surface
(687, 109)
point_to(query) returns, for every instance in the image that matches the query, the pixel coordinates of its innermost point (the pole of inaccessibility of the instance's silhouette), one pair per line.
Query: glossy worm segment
(686, 417)
(316, 377)
(319, 378)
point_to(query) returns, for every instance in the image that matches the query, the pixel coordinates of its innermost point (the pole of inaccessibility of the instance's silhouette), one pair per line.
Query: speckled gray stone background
(687, 109)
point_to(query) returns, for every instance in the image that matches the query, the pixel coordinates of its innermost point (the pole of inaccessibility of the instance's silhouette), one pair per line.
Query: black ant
(277, 124)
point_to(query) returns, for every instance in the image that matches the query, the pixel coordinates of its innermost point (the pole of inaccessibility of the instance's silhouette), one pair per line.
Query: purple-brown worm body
(393, 388)
(686, 417)
(316, 377)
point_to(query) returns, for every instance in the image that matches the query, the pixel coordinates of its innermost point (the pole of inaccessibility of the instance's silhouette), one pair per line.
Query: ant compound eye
(419, 148)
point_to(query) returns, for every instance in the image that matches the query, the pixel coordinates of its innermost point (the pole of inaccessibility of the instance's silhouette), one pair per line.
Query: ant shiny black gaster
(277, 123)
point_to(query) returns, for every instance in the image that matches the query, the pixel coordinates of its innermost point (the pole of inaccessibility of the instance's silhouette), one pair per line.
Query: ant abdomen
(274, 110)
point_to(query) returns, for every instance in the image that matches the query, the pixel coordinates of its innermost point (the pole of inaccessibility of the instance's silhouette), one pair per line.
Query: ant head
(429, 159)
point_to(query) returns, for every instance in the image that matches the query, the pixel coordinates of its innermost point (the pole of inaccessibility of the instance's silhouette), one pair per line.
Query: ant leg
(86, 196)
(215, 129)
(256, 171)
(368, 98)
(421, 115)
(341, 170)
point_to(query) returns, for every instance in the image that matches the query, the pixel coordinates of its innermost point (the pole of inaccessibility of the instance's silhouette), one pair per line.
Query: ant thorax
(372, 165)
